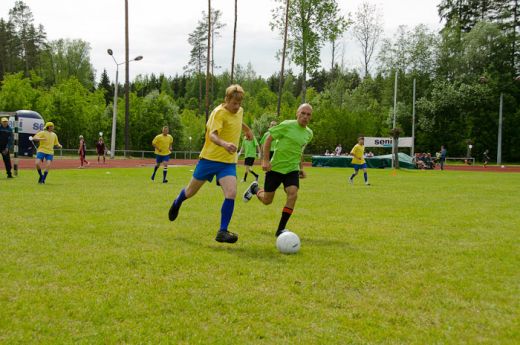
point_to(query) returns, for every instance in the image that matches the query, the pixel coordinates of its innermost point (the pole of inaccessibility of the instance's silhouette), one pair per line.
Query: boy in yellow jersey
(286, 165)
(358, 160)
(163, 147)
(219, 158)
(47, 139)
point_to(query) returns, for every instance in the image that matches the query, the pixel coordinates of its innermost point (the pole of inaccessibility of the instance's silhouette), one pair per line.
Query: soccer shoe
(226, 236)
(279, 232)
(173, 212)
(165, 181)
(251, 190)
(350, 181)
(40, 180)
(367, 184)
(153, 177)
(9, 176)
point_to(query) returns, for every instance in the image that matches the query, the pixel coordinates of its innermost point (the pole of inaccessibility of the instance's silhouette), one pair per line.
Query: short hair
(234, 91)
(303, 105)
(165, 127)
(361, 137)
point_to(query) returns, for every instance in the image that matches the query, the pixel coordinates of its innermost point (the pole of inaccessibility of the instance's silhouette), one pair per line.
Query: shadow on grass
(253, 252)
(327, 242)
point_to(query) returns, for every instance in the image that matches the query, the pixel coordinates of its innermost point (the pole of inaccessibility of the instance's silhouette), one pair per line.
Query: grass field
(418, 258)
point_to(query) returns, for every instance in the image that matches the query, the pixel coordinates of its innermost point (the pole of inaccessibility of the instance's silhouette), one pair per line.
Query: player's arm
(229, 147)
(248, 132)
(301, 172)
(266, 164)
(57, 143)
(37, 137)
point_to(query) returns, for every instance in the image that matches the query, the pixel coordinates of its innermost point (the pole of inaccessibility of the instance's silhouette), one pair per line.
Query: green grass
(420, 257)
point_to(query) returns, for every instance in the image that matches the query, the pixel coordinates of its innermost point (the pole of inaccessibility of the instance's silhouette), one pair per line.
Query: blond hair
(234, 91)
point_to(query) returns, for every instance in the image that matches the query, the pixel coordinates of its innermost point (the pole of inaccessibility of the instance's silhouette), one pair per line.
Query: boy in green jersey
(285, 167)
(251, 149)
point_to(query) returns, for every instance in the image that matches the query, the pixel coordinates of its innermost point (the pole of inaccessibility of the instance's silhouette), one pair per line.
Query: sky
(159, 30)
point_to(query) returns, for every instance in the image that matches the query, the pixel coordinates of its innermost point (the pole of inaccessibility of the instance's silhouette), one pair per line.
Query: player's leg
(7, 163)
(292, 195)
(245, 173)
(252, 162)
(38, 163)
(365, 174)
(229, 188)
(48, 161)
(158, 161)
(186, 193)
(291, 182)
(266, 195)
(356, 170)
(165, 170)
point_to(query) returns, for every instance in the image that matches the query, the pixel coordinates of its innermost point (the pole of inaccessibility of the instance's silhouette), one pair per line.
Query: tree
(368, 28)
(198, 41)
(234, 42)
(310, 22)
(104, 85)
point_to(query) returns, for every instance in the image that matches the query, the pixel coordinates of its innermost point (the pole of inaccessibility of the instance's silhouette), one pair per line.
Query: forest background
(460, 73)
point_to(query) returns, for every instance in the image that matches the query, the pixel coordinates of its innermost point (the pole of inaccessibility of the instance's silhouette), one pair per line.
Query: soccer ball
(288, 242)
(108, 152)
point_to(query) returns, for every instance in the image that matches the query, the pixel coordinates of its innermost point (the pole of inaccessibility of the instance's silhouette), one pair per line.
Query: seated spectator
(327, 153)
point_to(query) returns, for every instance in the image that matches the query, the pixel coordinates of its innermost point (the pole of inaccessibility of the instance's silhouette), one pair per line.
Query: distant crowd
(338, 151)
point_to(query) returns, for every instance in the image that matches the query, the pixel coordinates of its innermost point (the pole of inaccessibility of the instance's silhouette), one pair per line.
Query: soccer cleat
(350, 181)
(251, 190)
(279, 232)
(173, 212)
(226, 236)
(165, 181)
(153, 177)
(367, 184)
(9, 176)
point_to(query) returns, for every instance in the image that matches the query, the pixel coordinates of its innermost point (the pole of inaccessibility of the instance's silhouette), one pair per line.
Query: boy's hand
(230, 147)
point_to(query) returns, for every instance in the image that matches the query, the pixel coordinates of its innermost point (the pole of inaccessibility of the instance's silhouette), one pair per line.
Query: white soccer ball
(288, 242)
(108, 152)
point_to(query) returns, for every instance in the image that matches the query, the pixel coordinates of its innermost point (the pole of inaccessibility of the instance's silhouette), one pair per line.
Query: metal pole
(127, 86)
(413, 120)
(499, 148)
(114, 117)
(395, 98)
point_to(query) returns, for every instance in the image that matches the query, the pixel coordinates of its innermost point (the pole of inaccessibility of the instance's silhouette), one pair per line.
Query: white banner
(27, 125)
(387, 142)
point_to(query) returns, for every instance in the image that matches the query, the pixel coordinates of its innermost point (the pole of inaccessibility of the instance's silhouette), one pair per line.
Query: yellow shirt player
(163, 147)
(218, 158)
(47, 140)
(358, 160)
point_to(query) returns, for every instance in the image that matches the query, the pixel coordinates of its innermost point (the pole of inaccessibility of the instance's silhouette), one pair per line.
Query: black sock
(245, 176)
(164, 172)
(286, 214)
(154, 171)
(255, 174)
(352, 177)
(40, 172)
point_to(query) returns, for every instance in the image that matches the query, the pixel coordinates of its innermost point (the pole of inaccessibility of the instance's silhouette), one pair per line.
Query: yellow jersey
(162, 144)
(358, 151)
(50, 139)
(229, 128)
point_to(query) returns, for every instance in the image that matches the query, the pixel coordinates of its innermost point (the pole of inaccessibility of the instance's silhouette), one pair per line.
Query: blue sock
(180, 198)
(366, 177)
(225, 213)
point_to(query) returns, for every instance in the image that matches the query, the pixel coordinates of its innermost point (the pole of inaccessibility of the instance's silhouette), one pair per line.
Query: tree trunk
(280, 84)
(234, 44)
(333, 54)
(207, 60)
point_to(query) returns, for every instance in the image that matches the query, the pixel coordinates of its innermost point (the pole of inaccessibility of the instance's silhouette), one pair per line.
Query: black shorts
(274, 179)
(249, 161)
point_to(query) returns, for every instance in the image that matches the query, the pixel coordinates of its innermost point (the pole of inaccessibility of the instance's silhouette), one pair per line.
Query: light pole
(190, 146)
(114, 113)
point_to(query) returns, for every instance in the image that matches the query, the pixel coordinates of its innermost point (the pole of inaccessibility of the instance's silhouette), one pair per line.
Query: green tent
(385, 161)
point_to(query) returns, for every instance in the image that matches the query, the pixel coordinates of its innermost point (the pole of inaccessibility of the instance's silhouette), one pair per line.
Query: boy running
(48, 139)
(163, 147)
(219, 158)
(285, 167)
(358, 160)
(251, 149)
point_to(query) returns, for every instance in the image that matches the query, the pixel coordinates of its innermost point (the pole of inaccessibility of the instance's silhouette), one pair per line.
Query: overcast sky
(159, 30)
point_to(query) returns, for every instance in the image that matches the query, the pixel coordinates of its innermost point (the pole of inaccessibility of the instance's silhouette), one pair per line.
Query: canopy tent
(384, 161)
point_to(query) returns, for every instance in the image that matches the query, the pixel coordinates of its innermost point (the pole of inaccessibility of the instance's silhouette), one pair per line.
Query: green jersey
(249, 147)
(264, 138)
(292, 139)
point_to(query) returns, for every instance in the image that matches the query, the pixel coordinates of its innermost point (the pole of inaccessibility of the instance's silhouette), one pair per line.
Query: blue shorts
(360, 166)
(206, 170)
(44, 156)
(159, 159)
